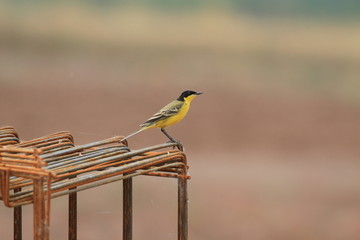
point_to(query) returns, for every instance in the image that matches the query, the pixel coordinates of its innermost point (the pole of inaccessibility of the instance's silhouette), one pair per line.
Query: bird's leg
(166, 134)
(180, 147)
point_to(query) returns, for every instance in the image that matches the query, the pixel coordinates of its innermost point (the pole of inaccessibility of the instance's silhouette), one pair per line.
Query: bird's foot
(179, 145)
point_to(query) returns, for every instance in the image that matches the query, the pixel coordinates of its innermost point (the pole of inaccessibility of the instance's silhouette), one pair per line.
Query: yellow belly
(174, 119)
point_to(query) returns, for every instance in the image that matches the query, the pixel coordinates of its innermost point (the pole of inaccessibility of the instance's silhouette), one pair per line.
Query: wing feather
(169, 110)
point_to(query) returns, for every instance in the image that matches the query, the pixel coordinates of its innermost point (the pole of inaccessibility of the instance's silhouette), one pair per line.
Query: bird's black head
(188, 93)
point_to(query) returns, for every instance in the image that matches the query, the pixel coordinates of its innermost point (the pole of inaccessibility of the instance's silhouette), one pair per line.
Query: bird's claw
(178, 144)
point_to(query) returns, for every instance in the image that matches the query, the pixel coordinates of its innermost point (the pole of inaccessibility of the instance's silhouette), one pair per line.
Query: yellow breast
(176, 118)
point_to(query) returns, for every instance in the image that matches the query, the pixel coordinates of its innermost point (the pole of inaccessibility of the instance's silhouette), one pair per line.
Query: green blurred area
(313, 8)
(252, 45)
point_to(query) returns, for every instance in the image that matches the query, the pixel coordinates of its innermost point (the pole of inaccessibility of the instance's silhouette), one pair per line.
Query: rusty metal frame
(33, 172)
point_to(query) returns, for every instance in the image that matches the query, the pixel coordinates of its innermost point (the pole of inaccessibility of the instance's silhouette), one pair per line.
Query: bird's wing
(169, 110)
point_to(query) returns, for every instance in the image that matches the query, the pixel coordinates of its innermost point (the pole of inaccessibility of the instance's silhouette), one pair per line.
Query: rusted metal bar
(161, 174)
(17, 220)
(80, 148)
(182, 209)
(41, 229)
(127, 209)
(8, 136)
(99, 183)
(72, 216)
(69, 169)
(47, 140)
(97, 176)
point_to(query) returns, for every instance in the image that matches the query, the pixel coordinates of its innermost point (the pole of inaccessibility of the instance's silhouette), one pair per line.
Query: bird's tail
(132, 134)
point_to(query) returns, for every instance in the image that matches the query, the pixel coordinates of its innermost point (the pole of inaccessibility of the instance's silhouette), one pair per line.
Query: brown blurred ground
(272, 144)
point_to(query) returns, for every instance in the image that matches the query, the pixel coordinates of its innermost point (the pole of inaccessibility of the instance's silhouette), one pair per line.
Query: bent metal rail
(33, 172)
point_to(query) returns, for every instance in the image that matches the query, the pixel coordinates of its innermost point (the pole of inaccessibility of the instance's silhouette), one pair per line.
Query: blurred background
(273, 144)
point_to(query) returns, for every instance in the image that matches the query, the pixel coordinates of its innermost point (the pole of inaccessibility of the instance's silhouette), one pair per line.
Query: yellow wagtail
(172, 113)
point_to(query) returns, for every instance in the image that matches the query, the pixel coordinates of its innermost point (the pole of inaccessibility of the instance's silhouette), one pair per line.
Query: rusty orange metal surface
(34, 171)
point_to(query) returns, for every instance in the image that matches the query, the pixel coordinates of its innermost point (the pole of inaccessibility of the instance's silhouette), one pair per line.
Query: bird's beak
(198, 93)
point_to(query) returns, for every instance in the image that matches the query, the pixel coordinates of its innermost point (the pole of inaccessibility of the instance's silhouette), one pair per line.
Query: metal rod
(72, 216)
(17, 220)
(41, 228)
(77, 148)
(182, 209)
(127, 209)
(100, 182)
(68, 169)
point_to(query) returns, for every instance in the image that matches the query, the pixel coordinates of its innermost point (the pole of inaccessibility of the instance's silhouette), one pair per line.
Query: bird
(172, 113)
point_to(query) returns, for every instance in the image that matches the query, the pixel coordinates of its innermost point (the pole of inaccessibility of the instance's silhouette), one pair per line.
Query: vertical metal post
(41, 228)
(72, 216)
(182, 209)
(17, 220)
(127, 209)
